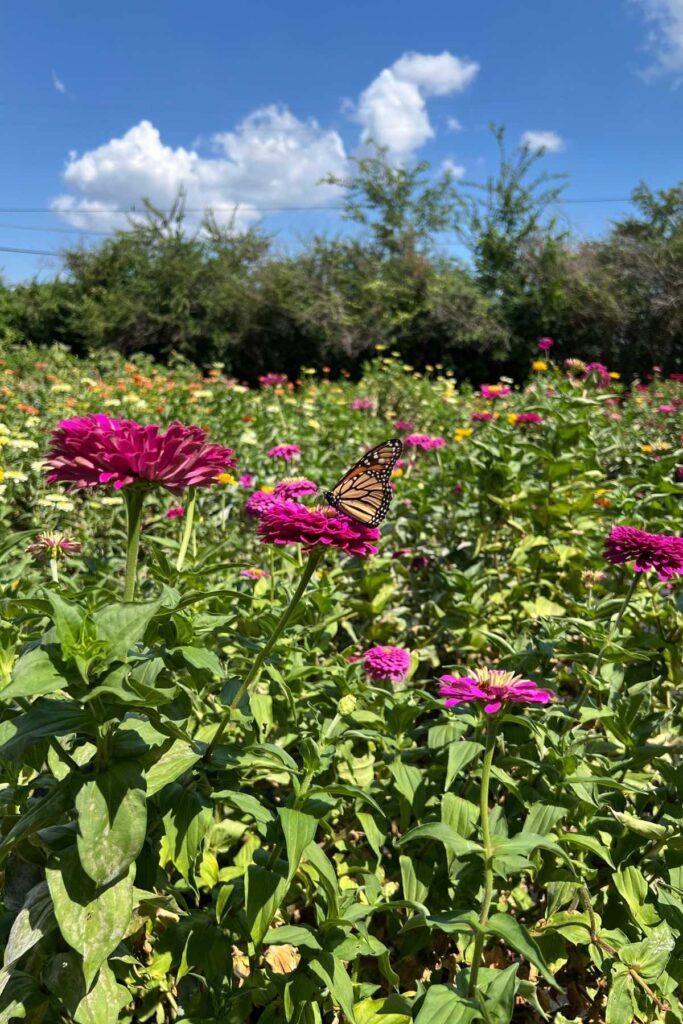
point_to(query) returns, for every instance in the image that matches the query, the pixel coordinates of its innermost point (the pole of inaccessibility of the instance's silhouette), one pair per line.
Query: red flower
(94, 449)
(288, 522)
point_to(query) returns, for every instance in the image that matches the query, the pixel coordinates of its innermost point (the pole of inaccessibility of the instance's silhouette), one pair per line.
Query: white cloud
(549, 141)
(271, 159)
(453, 124)
(58, 83)
(665, 37)
(392, 110)
(457, 170)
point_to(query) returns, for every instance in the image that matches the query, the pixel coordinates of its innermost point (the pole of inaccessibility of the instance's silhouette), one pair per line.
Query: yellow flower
(380, 348)
(512, 418)
(646, 447)
(266, 489)
(2, 473)
(461, 433)
(540, 365)
(226, 478)
(309, 371)
(615, 376)
(600, 490)
(314, 424)
(397, 472)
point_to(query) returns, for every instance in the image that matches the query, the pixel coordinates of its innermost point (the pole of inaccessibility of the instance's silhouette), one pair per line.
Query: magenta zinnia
(658, 552)
(273, 380)
(94, 449)
(361, 404)
(52, 545)
(387, 664)
(285, 451)
(495, 687)
(257, 502)
(295, 487)
(423, 441)
(545, 344)
(288, 522)
(494, 390)
(529, 417)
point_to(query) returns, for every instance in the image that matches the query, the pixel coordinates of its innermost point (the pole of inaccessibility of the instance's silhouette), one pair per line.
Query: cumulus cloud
(457, 170)
(549, 141)
(271, 159)
(392, 110)
(665, 35)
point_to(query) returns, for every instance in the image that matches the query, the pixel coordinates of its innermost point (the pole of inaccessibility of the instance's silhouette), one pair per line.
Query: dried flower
(494, 686)
(660, 553)
(288, 522)
(95, 449)
(52, 545)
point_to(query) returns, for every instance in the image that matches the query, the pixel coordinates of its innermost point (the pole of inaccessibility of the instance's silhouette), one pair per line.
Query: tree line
(465, 274)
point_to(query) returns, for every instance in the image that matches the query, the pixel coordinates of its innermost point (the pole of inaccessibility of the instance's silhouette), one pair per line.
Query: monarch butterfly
(363, 492)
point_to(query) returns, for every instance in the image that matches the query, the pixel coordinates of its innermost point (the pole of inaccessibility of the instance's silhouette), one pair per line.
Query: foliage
(316, 852)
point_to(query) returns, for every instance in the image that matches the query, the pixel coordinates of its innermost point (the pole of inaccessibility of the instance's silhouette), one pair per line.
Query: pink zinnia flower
(529, 417)
(288, 452)
(666, 408)
(359, 404)
(288, 522)
(658, 552)
(403, 425)
(295, 488)
(254, 574)
(493, 686)
(599, 374)
(246, 480)
(545, 344)
(416, 561)
(258, 501)
(52, 545)
(177, 512)
(423, 441)
(94, 449)
(272, 380)
(481, 417)
(494, 390)
(387, 664)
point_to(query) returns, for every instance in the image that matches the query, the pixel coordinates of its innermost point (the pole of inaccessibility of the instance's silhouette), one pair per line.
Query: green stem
(187, 532)
(54, 571)
(310, 567)
(614, 628)
(488, 850)
(134, 497)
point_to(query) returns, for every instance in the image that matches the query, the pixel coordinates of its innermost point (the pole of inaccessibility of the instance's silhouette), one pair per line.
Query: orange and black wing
(363, 493)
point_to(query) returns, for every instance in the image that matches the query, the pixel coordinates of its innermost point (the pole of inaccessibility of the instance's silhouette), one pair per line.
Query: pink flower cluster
(660, 553)
(403, 425)
(494, 390)
(361, 404)
(482, 417)
(272, 380)
(493, 686)
(529, 417)
(257, 502)
(288, 522)
(95, 449)
(288, 452)
(423, 441)
(295, 487)
(387, 664)
(598, 374)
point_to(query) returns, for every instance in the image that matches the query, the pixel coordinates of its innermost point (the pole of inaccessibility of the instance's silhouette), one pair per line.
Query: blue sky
(253, 102)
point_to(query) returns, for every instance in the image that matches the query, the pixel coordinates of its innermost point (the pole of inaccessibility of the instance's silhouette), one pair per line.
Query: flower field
(262, 762)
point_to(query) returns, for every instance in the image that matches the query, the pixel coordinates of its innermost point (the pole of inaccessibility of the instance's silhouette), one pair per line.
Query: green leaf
(101, 1005)
(542, 607)
(121, 626)
(380, 1011)
(442, 833)
(444, 1006)
(203, 659)
(186, 824)
(299, 830)
(460, 753)
(621, 1004)
(291, 934)
(331, 971)
(589, 843)
(35, 920)
(631, 885)
(649, 957)
(416, 876)
(68, 619)
(525, 843)
(264, 892)
(459, 814)
(542, 818)
(34, 675)
(496, 991)
(91, 922)
(43, 719)
(112, 821)
(173, 763)
(518, 938)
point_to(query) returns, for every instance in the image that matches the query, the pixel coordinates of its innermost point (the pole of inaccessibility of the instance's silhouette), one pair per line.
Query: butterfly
(363, 493)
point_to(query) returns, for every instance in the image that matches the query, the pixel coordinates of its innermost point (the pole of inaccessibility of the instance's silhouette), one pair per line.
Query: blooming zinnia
(177, 512)
(545, 344)
(598, 374)
(658, 552)
(529, 417)
(361, 404)
(288, 522)
(387, 664)
(254, 574)
(295, 488)
(423, 441)
(481, 417)
(51, 545)
(272, 380)
(258, 501)
(403, 425)
(495, 687)
(95, 449)
(285, 451)
(494, 390)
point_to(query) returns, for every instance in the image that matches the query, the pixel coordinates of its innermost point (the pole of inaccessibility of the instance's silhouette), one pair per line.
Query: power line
(29, 252)
(53, 230)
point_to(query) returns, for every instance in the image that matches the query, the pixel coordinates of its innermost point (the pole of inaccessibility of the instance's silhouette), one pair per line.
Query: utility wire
(29, 252)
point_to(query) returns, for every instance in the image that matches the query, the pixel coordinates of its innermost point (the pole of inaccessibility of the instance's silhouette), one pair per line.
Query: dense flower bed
(261, 763)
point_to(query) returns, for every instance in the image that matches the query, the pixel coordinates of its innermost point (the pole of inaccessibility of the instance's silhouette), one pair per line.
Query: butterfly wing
(363, 493)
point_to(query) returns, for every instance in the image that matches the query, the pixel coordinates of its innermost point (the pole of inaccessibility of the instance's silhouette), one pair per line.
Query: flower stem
(54, 571)
(488, 851)
(254, 672)
(614, 628)
(187, 532)
(134, 497)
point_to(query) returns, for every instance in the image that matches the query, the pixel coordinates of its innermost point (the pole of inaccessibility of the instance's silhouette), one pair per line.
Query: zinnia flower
(545, 344)
(387, 664)
(658, 552)
(52, 545)
(288, 452)
(295, 487)
(95, 449)
(360, 404)
(272, 380)
(246, 480)
(493, 686)
(666, 408)
(177, 512)
(254, 574)
(288, 522)
(494, 390)
(529, 417)
(403, 425)
(258, 501)
(423, 441)
(481, 417)
(598, 374)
